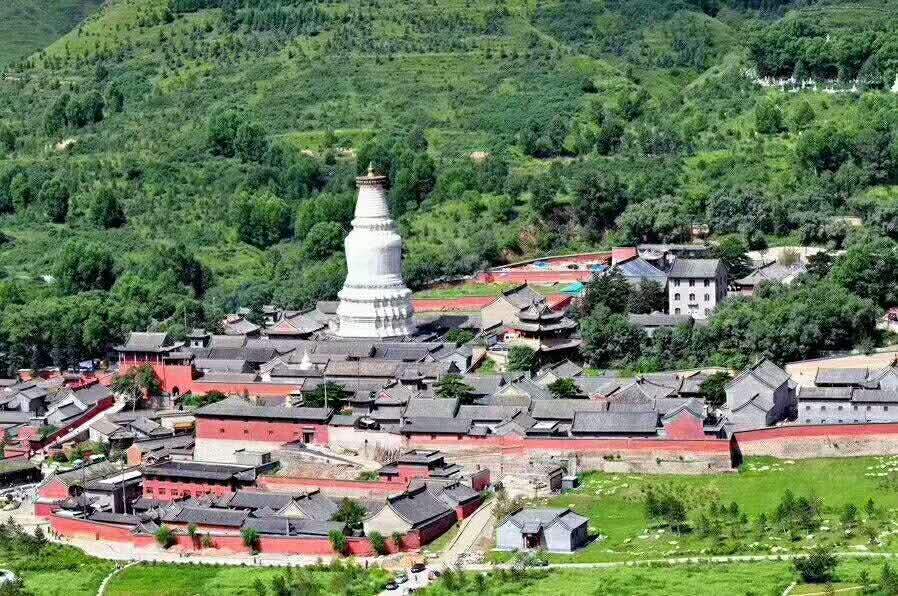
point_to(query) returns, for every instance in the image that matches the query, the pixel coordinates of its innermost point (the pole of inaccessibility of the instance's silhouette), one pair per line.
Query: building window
(707, 297)
(707, 282)
(868, 408)
(855, 408)
(822, 408)
(691, 283)
(885, 408)
(807, 407)
(707, 311)
(221, 430)
(676, 283)
(676, 311)
(840, 408)
(676, 296)
(691, 297)
(807, 420)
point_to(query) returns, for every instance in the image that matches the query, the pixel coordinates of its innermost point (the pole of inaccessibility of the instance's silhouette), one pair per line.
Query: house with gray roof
(651, 322)
(760, 396)
(415, 509)
(696, 286)
(555, 530)
(841, 377)
(772, 272)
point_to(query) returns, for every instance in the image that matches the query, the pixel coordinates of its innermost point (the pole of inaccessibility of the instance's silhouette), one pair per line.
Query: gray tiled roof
(197, 470)
(564, 409)
(523, 296)
(431, 408)
(418, 506)
(615, 422)
(239, 407)
(145, 342)
(436, 426)
(91, 395)
(222, 365)
(841, 376)
(824, 393)
(204, 516)
(536, 519)
(695, 268)
(874, 396)
(488, 413)
(659, 319)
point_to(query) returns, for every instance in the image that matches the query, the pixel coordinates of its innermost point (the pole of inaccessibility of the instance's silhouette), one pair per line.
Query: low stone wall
(814, 441)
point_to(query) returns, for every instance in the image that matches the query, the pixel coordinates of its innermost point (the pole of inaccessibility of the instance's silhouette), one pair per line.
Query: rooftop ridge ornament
(374, 301)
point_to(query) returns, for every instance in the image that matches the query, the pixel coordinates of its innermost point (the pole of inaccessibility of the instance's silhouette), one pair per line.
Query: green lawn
(57, 571)
(711, 579)
(614, 504)
(474, 290)
(187, 580)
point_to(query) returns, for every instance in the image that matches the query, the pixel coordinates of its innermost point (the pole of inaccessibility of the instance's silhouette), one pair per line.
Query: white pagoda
(374, 301)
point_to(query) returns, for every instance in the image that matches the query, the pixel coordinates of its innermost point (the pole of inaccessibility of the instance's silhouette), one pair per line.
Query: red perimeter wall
(80, 528)
(258, 430)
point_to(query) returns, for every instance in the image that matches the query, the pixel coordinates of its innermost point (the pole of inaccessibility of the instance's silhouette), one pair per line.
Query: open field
(615, 505)
(57, 571)
(707, 579)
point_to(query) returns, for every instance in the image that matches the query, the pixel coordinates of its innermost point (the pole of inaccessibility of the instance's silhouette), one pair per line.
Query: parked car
(391, 585)
(401, 578)
(418, 567)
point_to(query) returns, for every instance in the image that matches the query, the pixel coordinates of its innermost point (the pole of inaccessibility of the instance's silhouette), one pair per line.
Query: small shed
(556, 530)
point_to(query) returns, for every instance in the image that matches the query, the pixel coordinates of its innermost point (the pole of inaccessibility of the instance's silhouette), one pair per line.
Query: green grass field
(57, 571)
(706, 579)
(614, 504)
(186, 580)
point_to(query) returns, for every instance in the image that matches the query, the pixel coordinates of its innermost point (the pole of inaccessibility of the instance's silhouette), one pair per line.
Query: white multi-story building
(696, 286)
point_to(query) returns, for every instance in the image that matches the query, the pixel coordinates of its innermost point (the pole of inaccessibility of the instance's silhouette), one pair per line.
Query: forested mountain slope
(27, 26)
(170, 159)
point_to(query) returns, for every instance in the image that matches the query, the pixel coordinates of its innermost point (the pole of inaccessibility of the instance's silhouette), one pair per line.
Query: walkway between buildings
(470, 532)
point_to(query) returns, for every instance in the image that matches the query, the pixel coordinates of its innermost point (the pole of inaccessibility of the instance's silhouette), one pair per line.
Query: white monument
(374, 301)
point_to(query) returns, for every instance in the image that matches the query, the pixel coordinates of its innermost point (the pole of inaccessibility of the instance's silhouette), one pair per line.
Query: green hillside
(171, 159)
(27, 26)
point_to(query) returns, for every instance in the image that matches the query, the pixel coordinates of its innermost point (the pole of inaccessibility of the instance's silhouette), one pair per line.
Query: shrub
(339, 542)
(379, 543)
(251, 539)
(165, 537)
(398, 540)
(817, 567)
